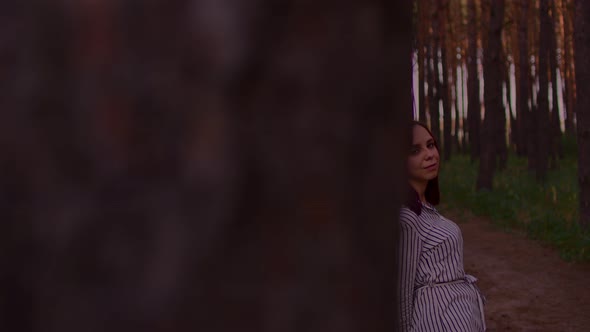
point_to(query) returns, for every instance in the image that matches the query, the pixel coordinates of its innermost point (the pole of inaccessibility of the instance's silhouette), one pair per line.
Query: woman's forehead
(420, 135)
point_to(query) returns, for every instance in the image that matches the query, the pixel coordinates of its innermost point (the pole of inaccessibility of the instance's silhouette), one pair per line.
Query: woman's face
(423, 158)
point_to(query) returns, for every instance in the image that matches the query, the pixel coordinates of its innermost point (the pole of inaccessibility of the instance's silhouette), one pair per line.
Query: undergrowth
(547, 212)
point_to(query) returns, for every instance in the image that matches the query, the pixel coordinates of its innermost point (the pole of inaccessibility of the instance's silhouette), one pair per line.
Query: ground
(528, 286)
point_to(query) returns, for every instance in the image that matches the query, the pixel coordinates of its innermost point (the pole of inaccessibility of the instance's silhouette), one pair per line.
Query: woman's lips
(431, 167)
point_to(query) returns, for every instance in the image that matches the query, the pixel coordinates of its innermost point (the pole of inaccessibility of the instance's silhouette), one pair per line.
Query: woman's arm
(410, 247)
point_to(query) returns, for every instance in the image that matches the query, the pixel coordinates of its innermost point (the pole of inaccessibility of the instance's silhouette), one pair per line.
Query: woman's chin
(432, 176)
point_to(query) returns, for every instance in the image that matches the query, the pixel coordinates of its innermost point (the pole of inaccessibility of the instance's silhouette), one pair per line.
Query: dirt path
(528, 287)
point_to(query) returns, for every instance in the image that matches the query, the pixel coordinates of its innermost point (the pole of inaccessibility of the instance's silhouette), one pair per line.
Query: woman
(436, 294)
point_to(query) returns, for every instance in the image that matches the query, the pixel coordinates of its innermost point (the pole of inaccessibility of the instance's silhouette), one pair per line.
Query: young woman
(436, 294)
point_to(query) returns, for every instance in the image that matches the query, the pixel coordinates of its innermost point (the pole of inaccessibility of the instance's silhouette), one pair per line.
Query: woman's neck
(420, 189)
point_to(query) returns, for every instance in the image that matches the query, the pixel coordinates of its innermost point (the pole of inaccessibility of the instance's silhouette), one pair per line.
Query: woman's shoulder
(411, 220)
(407, 216)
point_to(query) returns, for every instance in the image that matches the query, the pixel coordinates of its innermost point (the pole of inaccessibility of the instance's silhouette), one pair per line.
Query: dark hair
(432, 193)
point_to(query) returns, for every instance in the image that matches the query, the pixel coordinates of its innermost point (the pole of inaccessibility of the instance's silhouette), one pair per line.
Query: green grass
(546, 212)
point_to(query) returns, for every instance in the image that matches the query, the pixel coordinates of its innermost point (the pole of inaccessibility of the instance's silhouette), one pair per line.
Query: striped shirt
(435, 292)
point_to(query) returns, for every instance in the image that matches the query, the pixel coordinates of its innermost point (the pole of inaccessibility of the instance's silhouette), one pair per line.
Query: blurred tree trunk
(501, 123)
(512, 63)
(515, 46)
(464, 115)
(509, 110)
(455, 20)
(507, 60)
(436, 47)
(444, 87)
(522, 107)
(510, 52)
(456, 92)
(202, 165)
(543, 130)
(484, 25)
(570, 72)
(582, 54)
(462, 42)
(531, 128)
(513, 127)
(532, 123)
(432, 101)
(493, 69)
(474, 106)
(556, 151)
(457, 127)
(458, 102)
(421, 61)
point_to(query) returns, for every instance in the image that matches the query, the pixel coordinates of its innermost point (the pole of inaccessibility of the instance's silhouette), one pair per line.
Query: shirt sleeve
(410, 247)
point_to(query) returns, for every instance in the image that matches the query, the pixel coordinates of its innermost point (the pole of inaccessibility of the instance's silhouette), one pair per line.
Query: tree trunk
(456, 132)
(513, 126)
(432, 88)
(532, 123)
(421, 64)
(501, 122)
(484, 23)
(158, 173)
(522, 108)
(531, 128)
(436, 47)
(514, 10)
(510, 110)
(493, 68)
(516, 7)
(444, 87)
(543, 129)
(556, 151)
(582, 54)
(455, 19)
(452, 48)
(474, 107)
(464, 113)
(570, 73)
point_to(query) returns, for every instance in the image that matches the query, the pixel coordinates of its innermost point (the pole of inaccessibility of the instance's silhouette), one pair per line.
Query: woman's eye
(430, 145)
(414, 151)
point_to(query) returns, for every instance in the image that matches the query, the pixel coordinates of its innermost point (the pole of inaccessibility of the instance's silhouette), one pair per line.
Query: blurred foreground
(201, 165)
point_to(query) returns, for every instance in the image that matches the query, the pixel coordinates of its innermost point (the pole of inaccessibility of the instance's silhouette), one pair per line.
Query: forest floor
(528, 286)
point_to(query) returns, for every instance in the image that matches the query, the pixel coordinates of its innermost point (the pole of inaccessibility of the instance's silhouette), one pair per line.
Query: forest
(493, 78)
(222, 165)
(502, 85)
(504, 44)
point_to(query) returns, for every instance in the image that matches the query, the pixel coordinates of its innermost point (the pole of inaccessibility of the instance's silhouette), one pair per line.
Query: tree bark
(202, 165)
(464, 110)
(543, 129)
(430, 77)
(436, 47)
(493, 68)
(444, 91)
(510, 110)
(456, 132)
(582, 54)
(501, 123)
(421, 63)
(556, 151)
(523, 112)
(570, 73)
(532, 123)
(474, 106)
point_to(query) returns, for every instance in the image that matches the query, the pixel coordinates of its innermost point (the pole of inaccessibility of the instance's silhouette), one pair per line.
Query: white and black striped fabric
(436, 294)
